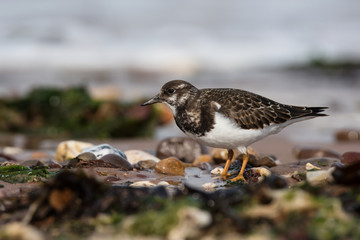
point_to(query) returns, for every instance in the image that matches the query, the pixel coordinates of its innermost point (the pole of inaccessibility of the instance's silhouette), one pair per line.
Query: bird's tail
(316, 111)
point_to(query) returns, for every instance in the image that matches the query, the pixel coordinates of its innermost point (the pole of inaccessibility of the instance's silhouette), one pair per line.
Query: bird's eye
(171, 90)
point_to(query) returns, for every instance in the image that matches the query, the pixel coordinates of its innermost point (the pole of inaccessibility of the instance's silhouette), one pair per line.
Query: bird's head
(174, 94)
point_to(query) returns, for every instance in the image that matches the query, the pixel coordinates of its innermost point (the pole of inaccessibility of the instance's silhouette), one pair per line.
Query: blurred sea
(136, 46)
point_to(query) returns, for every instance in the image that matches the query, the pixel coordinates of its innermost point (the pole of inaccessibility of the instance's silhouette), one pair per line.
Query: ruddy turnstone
(228, 118)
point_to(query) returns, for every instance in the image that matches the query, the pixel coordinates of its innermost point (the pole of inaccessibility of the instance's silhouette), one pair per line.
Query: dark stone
(348, 175)
(305, 153)
(267, 161)
(350, 158)
(145, 164)
(185, 149)
(348, 136)
(117, 161)
(53, 164)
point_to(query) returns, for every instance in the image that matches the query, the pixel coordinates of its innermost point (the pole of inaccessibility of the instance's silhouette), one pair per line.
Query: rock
(69, 149)
(191, 221)
(204, 166)
(103, 149)
(307, 152)
(20, 231)
(348, 136)
(348, 175)
(134, 156)
(6, 157)
(53, 164)
(145, 164)
(220, 155)
(310, 167)
(350, 158)
(78, 163)
(205, 158)
(209, 187)
(185, 149)
(217, 171)
(32, 163)
(287, 169)
(320, 177)
(87, 156)
(267, 161)
(143, 184)
(170, 166)
(321, 162)
(261, 171)
(117, 161)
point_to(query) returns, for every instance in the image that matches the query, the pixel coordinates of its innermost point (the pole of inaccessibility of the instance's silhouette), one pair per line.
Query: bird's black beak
(155, 99)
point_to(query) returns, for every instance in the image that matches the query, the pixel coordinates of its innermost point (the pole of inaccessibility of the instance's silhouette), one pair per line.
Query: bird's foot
(239, 177)
(224, 175)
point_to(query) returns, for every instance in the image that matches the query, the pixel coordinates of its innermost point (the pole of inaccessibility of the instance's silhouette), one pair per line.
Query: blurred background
(110, 55)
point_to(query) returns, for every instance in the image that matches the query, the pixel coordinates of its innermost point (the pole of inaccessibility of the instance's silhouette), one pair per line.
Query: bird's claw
(240, 177)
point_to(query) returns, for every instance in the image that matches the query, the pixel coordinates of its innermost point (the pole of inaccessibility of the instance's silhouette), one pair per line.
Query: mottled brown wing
(252, 111)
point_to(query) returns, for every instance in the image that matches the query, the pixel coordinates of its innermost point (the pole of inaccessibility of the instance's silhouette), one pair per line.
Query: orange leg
(241, 173)
(224, 174)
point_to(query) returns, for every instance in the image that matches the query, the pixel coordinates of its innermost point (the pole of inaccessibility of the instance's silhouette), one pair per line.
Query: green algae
(21, 174)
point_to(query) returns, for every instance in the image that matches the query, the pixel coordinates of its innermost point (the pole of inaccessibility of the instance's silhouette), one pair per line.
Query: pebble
(67, 150)
(320, 177)
(148, 184)
(310, 167)
(145, 164)
(87, 156)
(305, 153)
(135, 156)
(191, 222)
(209, 187)
(348, 175)
(320, 162)
(205, 158)
(262, 171)
(117, 161)
(267, 161)
(217, 171)
(53, 164)
(348, 135)
(170, 166)
(183, 148)
(18, 230)
(204, 166)
(103, 149)
(350, 158)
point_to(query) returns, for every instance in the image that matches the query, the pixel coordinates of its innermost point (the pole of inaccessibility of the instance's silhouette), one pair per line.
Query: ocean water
(136, 46)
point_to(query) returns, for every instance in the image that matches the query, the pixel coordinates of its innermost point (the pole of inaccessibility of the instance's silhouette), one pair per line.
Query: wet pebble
(348, 175)
(103, 149)
(305, 153)
(170, 166)
(204, 166)
(135, 156)
(320, 162)
(267, 161)
(145, 164)
(117, 161)
(185, 149)
(350, 158)
(53, 164)
(67, 150)
(87, 156)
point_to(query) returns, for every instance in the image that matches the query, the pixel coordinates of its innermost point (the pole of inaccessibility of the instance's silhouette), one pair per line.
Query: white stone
(143, 184)
(103, 149)
(69, 149)
(264, 172)
(217, 171)
(310, 167)
(209, 187)
(320, 177)
(134, 156)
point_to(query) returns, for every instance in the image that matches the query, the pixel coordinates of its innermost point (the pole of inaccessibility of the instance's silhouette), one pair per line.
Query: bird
(228, 118)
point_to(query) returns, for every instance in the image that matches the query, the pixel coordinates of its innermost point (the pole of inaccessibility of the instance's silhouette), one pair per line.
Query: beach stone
(134, 156)
(145, 164)
(306, 152)
(348, 175)
(67, 150)
(87, 156)
(310, 167)
(185, 149)
(350, 158)
(204, 166)
(117, 161)
(347, 135)
(217, 171)
(267, 161)
(321, 162)
(205, 158)
(170, 166)
(320, 177)
(262, 172)
(219, 155)
(287, 169)
(103, 149)
(20, 231)
(53, 164)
